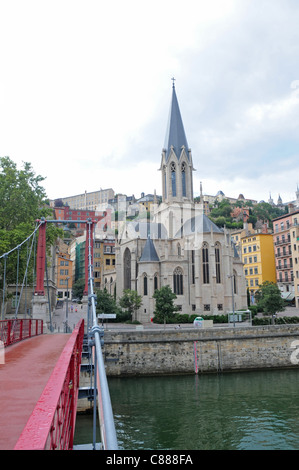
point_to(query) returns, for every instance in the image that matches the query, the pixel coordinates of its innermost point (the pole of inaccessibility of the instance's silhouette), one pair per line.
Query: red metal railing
(52, 423)
(12, 331)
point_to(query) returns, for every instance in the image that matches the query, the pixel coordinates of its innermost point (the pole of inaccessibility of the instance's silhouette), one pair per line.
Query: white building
(181, 247)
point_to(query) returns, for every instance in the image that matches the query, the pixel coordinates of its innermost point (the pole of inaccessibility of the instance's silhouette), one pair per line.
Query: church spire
(176, 162)
(175, 137)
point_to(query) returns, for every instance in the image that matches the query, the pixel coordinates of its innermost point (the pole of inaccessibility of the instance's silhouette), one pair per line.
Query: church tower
(176, 163)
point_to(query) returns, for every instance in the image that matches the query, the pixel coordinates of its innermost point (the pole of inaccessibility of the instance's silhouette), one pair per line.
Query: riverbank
(195, 350)
(79, 311)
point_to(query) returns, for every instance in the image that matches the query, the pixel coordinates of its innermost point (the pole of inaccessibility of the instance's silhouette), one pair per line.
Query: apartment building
(283, 228)
(88, 201)
(294, 236)
(64, 276)
(259, 260)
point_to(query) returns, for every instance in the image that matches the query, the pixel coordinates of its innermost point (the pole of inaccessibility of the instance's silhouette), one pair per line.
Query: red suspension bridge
(39, 373)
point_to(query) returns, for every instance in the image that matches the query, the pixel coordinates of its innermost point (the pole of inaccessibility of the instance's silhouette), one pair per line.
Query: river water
(231, 411)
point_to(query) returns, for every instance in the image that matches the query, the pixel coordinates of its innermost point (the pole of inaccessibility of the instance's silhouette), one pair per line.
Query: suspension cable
(24, 241)
(5, 256)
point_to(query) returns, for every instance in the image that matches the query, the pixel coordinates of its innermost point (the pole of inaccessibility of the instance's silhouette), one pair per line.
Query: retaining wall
(152, 352)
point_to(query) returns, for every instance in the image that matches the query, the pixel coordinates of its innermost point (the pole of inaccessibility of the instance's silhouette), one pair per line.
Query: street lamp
(233, 299)
(67, 305)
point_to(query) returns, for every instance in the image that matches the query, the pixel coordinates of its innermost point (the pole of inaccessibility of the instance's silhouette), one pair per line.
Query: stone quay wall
(189, 351)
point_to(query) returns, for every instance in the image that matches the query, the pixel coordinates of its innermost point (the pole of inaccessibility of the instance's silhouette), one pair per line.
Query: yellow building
(259, 260)
(64, 276)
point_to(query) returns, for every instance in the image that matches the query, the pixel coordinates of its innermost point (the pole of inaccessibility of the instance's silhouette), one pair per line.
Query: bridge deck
(24, 375)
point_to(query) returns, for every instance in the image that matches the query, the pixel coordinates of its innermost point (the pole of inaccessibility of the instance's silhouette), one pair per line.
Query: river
(231, 411)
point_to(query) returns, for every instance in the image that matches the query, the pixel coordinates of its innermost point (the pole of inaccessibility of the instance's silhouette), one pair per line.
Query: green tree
(22, 203)
(106, 302)
(21, 194)
(131, 300)
(268, 298)
(165, 308)
(78, 288)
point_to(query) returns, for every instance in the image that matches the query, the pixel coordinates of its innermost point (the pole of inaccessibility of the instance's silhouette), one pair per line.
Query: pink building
(283, 253)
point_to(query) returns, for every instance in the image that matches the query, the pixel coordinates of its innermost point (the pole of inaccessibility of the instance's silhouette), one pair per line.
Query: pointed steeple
(175, 135)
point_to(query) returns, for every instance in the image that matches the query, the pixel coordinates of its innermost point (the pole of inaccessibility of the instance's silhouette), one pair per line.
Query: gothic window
(183, 170)
(127, 269)
(144, 284)
(235, 282)
(218, 263)
(173, 178)
(178, 281)
(205, 264)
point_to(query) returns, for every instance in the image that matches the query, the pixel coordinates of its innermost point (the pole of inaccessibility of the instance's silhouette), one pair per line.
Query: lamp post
(67, 305)
(233, 299)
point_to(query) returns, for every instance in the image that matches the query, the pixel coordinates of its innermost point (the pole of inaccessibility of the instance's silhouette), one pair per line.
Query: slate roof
(149, 253)
(175, 134)
(198, 224)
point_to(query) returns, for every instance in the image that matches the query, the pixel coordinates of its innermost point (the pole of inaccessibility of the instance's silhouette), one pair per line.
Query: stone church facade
(180, 246)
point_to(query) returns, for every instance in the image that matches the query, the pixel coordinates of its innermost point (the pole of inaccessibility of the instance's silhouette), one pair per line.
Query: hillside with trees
(222, 214)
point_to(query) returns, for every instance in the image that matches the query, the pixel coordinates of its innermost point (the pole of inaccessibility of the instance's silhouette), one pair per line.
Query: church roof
(149, 252)
(175, 134)
(198, 224)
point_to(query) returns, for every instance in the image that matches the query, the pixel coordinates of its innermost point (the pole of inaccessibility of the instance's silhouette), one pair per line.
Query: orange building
(64, 281)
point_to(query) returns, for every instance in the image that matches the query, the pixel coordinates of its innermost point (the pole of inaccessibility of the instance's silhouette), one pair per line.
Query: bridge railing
(12, 331)
(105, 412)
(51, 425)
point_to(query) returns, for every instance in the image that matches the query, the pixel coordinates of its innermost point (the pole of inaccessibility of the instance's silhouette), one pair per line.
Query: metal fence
(101, 390)
(51, 425)
(12, 331)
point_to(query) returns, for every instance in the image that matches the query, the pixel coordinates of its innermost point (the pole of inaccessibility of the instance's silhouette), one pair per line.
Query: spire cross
(173, 80)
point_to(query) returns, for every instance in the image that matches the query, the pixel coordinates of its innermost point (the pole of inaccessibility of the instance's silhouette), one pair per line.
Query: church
(179, 245)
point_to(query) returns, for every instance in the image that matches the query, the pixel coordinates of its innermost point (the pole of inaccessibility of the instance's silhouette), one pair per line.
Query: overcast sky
(85, 90)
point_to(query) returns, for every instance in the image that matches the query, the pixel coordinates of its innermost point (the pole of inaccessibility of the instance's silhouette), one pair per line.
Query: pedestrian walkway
(23, 376)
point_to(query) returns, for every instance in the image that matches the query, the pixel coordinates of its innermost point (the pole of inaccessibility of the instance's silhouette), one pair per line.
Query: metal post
(49, 302)
(233, 299)
(3, 287)
(108, 433)
(40, 259)
(67, 305)
(94, 402)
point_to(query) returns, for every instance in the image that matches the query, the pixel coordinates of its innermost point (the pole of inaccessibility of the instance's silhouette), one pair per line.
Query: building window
(207, 307)
(205, 264)
(235, 282)
(217, 260)
(178, 281)
(144, 284)
(184, 180)
(127, 269)
(173, 178)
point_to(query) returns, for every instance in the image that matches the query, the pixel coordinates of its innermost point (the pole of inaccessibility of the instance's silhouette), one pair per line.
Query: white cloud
(85, 91)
